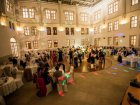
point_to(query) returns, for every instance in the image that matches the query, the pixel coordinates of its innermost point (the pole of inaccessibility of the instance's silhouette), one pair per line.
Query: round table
(8, 87)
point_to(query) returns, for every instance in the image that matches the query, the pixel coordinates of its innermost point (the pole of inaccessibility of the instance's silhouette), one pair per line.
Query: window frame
(27, 45)
(26, 31)
(54, 45)
(83, 17)
(35, 44)
(50, 14)
(97, 15)
(28, 13)
(133, 40)
(69, 15)
(134, 2)
(133, 21)
(110, 26)
(113, 7)
(115, 40)
(33, 30)
(49, 31)
(116, 25)
(49, 43)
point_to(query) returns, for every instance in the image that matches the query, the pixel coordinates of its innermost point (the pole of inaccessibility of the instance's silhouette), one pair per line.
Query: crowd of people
(57, 59)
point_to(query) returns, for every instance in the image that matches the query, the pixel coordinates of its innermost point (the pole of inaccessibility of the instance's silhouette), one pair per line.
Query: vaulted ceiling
(78, 2)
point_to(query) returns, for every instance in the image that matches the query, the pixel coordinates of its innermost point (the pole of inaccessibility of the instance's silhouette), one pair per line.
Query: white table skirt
(2, 101)
(8, 87)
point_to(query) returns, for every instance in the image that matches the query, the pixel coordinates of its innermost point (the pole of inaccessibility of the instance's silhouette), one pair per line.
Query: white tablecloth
(2, 101)
(8, 87)
(132, 59)
(7, 65)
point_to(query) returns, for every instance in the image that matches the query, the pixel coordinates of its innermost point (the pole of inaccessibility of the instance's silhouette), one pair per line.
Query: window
(100, 29)
(72, 31)
(28, 45)
(55, 43)
(96, 41)
(49, 44)
(113, 7)
(134, 21)
(68, 42)
(35, 44)
(54, 30)
(25, 13)
(9, 6)
(116, 25)
(134, 2)
(116, 6)
(14, 47)
(110, 26)
(115, 40)
(95, 30)
(48, 14)
(110, 9)
(84, 31)
(133, 39)
(51, 14)
(109, 40)
(26, 31)
(31, 13)
(97, 15)
(11, 25)
(82, 42)
(84, 17)
(28, 13)
(72, 42)
(69, 16)
(86, 41)
(48, 30)
(67, 31)
(33, 31)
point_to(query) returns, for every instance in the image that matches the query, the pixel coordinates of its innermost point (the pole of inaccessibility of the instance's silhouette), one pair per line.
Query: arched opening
(14, 47)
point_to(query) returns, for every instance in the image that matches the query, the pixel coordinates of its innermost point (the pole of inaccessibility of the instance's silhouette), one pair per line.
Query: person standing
(75, 59)
(71, 56)
(60, 55)
(120, 56)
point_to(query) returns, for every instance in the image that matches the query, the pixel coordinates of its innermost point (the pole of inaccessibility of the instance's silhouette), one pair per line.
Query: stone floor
(103, 87)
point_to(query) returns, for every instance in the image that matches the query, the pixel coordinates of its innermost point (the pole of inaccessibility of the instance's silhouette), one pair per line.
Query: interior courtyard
(63, 52)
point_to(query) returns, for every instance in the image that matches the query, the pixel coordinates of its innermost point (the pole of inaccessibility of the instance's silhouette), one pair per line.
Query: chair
(18, 79)
(7, 71)
(42, 87)
(49, 88)
(72, 72)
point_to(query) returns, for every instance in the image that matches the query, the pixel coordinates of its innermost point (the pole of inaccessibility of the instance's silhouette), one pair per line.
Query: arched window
(14, 48)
